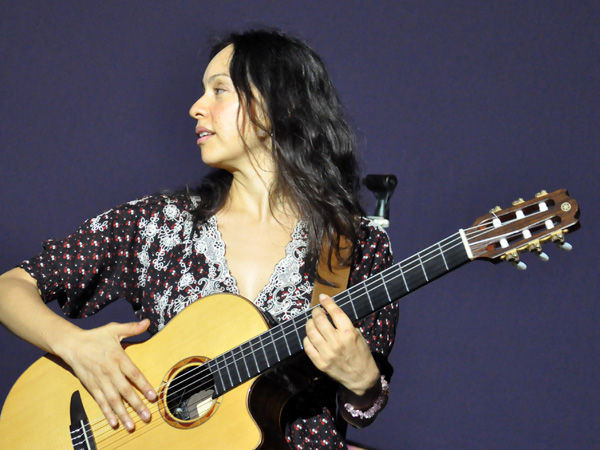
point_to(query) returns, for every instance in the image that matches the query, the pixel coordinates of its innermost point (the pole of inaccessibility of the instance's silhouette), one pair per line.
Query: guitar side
(36, 411)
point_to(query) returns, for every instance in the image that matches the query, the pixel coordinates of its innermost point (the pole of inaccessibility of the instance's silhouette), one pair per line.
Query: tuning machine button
(520, 265)
(559, 240)
(536, 248)
(513, 257)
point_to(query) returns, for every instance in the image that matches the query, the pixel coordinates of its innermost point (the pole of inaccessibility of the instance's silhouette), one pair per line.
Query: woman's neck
(250, 198)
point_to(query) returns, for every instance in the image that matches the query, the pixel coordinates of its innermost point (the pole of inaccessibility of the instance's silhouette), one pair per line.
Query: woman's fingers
(328, 342)
(129, 368)
(337, 348)
(109, 374)
(330, 329)
(340, 320)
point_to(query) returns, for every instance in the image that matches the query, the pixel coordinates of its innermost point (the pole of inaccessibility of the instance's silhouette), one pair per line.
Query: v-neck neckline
(294, 236)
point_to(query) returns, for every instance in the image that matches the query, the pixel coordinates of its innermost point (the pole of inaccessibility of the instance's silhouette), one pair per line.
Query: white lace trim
(280, 297)
(286, 277)
(286, 288)
(96, 225)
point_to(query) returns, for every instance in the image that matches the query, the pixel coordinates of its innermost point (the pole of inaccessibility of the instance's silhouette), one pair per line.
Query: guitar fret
(275, 346)
(228, 372)
(422, 266)
(264, 351)
(235, 363)
(218, 372)
(244, 353)
(297, 334)
(286, 342)
(352, 304)
(370, 301)
(443, 257)
(259, 354)
(254, 357)
(403, 278)
(385, 287)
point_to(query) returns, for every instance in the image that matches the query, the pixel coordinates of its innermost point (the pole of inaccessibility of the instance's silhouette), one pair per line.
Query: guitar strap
(338, 275)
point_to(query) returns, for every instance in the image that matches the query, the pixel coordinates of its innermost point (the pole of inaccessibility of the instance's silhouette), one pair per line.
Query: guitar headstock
(503, 234)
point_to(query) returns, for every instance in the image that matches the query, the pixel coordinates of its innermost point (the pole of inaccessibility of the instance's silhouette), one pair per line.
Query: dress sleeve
(374, 255)
(95, 265)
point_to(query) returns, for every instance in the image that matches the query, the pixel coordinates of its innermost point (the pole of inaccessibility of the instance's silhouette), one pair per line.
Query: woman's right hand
(99, 361)
(96, 356)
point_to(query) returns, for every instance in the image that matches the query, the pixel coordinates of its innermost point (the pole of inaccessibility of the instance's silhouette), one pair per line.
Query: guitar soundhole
(188, 396)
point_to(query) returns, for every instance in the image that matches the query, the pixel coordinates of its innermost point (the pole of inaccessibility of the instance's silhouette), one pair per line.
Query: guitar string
(306, 313)
(174, 386)
(271, 353)
(477, 230)
(456, 240)
(450, 240)
(408, 269)
(231, 359)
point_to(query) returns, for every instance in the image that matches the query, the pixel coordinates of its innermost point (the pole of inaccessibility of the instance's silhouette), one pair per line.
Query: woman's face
(220, 119)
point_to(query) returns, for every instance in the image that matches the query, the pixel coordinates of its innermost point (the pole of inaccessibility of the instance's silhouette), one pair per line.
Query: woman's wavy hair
(313, 146)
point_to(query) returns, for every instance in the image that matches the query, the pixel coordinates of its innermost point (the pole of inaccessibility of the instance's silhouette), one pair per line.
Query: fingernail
(145, 415)
(151, 395)
(129, 424)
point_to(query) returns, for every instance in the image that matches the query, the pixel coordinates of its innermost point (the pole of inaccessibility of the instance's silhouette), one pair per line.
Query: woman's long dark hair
(313, 146)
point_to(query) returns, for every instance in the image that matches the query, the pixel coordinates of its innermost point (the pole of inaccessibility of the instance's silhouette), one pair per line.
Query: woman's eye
(219, 91)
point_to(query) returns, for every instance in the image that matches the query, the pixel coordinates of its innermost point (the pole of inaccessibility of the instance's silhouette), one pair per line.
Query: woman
(285, 182)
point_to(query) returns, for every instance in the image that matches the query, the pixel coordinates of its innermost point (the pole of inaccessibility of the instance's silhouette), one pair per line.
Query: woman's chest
(269, 270)
(252, 253)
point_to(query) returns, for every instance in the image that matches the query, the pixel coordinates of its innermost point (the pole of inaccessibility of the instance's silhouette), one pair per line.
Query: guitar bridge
(81, 433)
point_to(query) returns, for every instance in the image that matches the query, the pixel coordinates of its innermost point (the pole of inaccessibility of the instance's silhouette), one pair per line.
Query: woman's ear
(261, 120)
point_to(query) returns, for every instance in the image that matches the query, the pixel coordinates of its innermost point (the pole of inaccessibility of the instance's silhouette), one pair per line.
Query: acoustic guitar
(208, 374)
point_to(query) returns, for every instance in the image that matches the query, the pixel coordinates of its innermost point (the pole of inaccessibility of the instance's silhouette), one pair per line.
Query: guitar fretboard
(284, 340)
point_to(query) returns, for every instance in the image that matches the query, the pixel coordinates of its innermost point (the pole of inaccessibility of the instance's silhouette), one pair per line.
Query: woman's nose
(198, 109)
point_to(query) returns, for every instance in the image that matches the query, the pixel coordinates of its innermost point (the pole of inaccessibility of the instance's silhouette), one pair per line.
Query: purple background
(470, 103)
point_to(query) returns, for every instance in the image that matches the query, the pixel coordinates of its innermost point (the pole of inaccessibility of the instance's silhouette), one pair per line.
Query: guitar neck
(284, 340)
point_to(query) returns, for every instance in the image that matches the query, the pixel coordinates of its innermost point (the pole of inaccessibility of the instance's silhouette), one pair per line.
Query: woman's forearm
(23, 312)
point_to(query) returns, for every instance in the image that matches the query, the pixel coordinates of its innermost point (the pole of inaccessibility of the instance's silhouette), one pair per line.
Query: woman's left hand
(339, 349)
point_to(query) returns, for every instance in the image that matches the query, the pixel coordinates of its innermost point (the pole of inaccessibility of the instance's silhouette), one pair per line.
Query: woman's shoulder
(373, 238)
(170, 207)
(369, 229)
(161, 200)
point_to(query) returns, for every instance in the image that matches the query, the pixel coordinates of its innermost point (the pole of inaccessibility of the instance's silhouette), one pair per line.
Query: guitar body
(37, 411)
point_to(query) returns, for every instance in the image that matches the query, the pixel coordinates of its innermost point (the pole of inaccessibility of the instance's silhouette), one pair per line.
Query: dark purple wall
(470, 103)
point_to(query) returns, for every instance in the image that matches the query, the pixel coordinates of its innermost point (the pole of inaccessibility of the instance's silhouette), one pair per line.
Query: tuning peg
(520, 265)
(513, 257)
(559, 240)
(536, 248)
(565, 246)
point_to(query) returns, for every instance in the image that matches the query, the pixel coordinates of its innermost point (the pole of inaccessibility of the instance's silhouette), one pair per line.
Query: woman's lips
(203, 134)
(204, 137)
